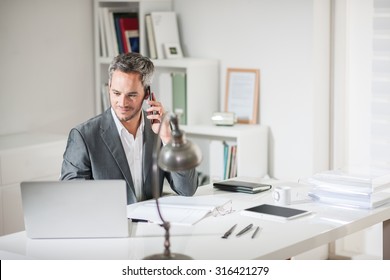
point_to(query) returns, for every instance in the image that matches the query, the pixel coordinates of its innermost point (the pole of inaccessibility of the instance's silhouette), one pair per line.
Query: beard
(127, 115)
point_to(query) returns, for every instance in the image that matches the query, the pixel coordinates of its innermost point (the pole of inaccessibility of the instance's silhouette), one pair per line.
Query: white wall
(46, 64)
(289, 42)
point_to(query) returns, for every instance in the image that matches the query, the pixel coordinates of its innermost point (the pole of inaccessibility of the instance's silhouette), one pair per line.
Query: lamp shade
(179, 154)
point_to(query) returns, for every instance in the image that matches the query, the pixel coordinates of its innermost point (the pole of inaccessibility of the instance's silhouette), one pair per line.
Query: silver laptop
(75, 209)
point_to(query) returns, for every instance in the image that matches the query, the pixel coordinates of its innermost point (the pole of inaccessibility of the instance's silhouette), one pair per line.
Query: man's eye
(116, 93)
(132, 95)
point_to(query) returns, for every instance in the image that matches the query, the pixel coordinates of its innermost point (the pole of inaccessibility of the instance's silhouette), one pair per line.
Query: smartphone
(148, 93)
(150, 97)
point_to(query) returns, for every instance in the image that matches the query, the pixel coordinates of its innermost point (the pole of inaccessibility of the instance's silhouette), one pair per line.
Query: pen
(245, 230)
(256, 230)
(226, 235)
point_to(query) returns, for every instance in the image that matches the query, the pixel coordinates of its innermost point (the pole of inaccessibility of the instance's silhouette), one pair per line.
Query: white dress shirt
(134, 149)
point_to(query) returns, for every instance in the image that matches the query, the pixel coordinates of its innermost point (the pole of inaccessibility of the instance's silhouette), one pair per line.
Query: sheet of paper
(177, 209)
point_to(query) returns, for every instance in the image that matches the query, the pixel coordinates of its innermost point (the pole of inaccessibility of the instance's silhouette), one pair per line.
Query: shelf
(185, 62)
(142, 7)
(174, 62)
(201, 80)
(252, 147)
(221, 131)
(201, 83)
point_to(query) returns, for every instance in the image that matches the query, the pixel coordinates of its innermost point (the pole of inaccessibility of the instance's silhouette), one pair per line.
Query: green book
(179, 96)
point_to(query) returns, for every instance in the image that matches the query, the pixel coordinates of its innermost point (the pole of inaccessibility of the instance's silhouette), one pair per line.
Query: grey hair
(133, 62)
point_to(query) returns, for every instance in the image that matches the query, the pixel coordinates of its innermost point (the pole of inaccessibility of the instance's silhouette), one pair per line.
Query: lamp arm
(178, 154)
(156, 178)
(157, 146)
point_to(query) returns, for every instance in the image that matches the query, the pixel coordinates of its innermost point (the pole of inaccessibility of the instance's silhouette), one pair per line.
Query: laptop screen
(75, 209)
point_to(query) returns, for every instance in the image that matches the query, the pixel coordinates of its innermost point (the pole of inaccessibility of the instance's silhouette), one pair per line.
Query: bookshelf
(102, 62)
(142, 7)
(201, 92)
(252, 148)
(201, 75)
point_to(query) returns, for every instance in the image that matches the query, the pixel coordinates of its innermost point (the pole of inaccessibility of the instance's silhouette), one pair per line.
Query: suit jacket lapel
(149, 139)
(149, 143)
(111, 138)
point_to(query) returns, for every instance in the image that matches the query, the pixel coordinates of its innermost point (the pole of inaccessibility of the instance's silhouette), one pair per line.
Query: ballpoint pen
(226, 235)
(256, 230)
(245, 230)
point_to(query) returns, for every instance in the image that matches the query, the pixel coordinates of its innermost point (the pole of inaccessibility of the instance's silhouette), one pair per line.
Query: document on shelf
(181, 210)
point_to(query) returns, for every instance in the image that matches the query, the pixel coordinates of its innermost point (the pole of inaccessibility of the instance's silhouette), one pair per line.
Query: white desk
(278, 240)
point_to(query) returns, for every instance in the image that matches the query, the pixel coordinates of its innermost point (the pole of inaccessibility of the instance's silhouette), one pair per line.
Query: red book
(127, 24)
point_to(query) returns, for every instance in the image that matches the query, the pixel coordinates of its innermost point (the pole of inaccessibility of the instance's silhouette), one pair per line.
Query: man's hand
(155, 113)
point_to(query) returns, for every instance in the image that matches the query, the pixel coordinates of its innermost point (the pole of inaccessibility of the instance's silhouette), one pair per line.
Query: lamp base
(172, 256)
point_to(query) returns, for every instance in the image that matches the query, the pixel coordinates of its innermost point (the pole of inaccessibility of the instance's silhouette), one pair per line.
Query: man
(118, 144)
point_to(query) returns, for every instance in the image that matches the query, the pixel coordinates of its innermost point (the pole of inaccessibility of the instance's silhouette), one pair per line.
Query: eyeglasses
(223, 210)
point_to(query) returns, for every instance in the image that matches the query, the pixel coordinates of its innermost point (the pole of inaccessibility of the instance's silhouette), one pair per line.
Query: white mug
(282, 195)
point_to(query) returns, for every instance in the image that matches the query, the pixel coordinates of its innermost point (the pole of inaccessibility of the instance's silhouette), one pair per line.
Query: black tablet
(274, 211)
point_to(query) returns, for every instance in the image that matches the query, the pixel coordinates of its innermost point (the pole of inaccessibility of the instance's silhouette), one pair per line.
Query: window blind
(380, 103)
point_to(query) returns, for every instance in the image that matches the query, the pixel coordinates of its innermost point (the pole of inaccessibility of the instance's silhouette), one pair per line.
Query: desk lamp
(178, 154)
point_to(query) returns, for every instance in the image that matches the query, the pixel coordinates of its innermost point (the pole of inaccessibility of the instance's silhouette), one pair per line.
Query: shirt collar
(119, 125)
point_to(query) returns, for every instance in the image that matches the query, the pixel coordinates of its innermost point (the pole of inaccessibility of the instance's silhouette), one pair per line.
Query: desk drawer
(29, 163)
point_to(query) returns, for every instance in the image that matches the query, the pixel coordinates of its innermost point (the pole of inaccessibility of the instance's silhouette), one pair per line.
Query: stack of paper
(339, 188)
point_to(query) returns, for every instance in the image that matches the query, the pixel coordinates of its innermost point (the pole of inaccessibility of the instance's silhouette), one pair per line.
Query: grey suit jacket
(94, 152)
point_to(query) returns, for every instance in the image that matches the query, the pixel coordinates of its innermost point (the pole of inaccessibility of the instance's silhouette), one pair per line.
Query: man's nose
(122, 100)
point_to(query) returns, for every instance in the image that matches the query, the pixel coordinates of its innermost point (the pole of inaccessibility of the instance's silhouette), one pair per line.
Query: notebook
(75, 209)
(241, 186)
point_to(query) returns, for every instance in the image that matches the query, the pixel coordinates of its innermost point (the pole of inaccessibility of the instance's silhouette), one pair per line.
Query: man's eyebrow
(131, 91)
(127, 93)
